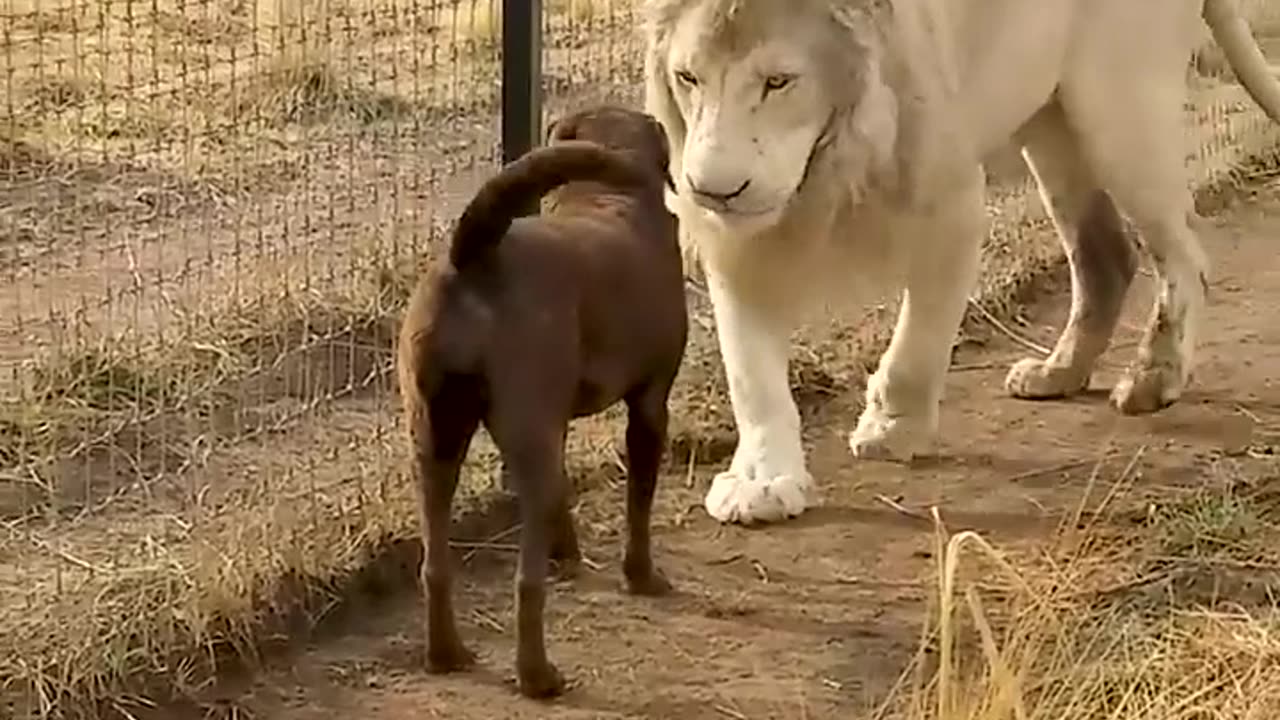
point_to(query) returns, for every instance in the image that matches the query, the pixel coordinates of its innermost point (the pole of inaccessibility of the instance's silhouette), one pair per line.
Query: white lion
(816, 141)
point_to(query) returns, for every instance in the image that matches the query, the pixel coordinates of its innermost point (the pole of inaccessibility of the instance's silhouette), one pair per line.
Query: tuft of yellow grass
(1067, 649)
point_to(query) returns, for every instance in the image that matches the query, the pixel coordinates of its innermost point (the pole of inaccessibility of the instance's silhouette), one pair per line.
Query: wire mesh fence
(210, 212)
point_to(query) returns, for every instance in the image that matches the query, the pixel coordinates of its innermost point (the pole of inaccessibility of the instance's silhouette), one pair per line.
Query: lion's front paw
(755, 494)
(1036, 379)
(879, 436)
(1144, 390)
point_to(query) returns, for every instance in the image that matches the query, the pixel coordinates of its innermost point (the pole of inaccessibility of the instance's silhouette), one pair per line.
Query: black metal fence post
(521, 77)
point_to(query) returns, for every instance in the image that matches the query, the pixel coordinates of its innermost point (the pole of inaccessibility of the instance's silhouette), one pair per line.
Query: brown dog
(535, 321)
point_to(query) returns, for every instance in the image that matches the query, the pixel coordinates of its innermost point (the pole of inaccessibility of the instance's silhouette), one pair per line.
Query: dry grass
(157, 525)
(224, 530)
(190, 85)
(131, 555)
(1091, 630)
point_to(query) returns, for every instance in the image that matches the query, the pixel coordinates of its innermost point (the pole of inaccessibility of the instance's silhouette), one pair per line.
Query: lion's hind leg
(1130, 125)
(1166, 352)
(1101, 257)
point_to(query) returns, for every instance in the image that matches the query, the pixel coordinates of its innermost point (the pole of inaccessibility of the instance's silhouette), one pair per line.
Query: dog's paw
(540, 681)
(754, 495)
(449, 657)
(649, 582)
(566, 569)
(566, 561)
(879, 436)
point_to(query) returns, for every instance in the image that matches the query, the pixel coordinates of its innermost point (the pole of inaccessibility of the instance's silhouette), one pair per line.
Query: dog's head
(618, 128)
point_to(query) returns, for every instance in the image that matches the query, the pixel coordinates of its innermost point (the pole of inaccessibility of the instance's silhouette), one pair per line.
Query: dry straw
(1068, 646)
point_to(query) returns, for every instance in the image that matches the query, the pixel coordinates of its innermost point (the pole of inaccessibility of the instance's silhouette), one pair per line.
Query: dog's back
(606, 235)
(523, 183)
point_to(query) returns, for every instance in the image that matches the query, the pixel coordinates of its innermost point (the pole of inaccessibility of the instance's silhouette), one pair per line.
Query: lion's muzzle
(714, 198)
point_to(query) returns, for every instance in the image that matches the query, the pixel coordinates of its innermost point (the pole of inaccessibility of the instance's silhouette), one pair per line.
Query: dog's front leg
(767, 480)
(902, 397)
(646, 437)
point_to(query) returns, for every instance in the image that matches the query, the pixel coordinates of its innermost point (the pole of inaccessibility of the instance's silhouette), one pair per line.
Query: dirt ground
(816, 618)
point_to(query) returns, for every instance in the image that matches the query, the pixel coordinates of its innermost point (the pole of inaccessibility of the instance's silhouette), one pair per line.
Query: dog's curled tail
(523, 182)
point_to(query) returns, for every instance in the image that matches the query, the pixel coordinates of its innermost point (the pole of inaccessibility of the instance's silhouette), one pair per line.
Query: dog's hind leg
(531, 437)
(646, 438)
(441, 429)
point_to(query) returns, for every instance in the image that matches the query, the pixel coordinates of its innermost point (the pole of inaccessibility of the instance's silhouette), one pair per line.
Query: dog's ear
(561, 129)
(664, 145)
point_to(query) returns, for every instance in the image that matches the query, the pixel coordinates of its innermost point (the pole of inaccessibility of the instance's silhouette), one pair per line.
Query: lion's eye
(686, 77)
(774, 83)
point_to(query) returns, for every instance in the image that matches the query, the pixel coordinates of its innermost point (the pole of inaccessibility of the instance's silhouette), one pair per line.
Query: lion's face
(755, 103)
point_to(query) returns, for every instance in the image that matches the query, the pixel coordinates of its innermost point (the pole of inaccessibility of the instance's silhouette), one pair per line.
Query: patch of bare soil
(816, 618)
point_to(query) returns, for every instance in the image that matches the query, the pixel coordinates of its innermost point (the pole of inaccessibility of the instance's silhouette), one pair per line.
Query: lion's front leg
(767, 480)
(901, 415)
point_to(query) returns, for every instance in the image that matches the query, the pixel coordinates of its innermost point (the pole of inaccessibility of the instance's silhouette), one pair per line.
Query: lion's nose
(710, 194)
